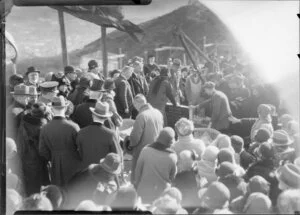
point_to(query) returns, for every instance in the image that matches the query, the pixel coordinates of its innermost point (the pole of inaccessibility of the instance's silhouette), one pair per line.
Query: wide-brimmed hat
(112, 163)
(258, 203)
(101, 110)
(21, 90)
(33, 91)
(60, 102)
(289, 174)
(32, 69)
(281, 138)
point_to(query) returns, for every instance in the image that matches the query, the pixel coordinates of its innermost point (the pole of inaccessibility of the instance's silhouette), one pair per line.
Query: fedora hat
(102, 110)
(32, 69)
(289, 174)
(60, 102)
(111, 163)
(281, 138)
(21, 90)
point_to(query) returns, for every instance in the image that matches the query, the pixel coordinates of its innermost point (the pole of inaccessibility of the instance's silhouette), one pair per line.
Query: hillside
(195, 20)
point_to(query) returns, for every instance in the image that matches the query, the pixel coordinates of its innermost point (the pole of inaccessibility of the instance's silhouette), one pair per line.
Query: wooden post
(104, 51)
(2, 114)
(204, 43)
(63, 38)
(120, 59)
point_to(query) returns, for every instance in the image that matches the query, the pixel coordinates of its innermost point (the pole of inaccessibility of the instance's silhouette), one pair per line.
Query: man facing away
(57, 144)
(95, 141)
(148, 124)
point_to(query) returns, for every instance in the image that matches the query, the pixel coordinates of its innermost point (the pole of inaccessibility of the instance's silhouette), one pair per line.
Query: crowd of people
(64, 150)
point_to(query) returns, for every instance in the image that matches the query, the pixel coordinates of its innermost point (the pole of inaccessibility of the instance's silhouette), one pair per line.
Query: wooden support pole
(120, 59)
(2, 114)
(63, 38)
(104, 51)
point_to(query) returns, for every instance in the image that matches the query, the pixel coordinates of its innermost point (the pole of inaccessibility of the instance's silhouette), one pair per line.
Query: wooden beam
(104, 51)
(64, 49)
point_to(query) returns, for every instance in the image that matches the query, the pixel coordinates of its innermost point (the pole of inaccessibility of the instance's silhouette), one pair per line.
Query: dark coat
(246, 159)
(187, 184)
(82, 114)
(164, 93)
(34, 167)
(138, 85)
(124, 97)
(83, 184)
(14, 114)
(94, 142)
(79, 95)
(58, 145)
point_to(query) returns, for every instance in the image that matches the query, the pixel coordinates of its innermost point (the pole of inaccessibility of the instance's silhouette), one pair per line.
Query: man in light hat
(146, 128)
(282, 144)
(33, 77)
(82, 114)
(16, 110)
(124, 96)
(95, 141)
(58, 144)
(156, 166)
(98, 176)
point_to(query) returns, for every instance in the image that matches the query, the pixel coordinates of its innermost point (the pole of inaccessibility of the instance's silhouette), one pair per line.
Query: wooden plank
(64, 49)
(104, 51)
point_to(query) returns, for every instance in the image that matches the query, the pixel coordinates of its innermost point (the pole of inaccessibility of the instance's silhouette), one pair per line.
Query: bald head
(139, 101)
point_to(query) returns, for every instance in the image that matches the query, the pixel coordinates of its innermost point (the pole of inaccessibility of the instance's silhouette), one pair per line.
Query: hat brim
(106, 168)
(107, 115)
(23, 94)
(290, 142)
(64, 106)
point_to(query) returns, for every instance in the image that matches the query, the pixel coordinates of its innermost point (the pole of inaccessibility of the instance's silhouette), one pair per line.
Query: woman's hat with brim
(281, 138)
(289, 174)
(112, 163)
(101, 110)
(32, 70)
(60, 102)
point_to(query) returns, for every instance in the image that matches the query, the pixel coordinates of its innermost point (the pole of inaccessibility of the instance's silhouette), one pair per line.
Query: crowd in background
(64, 150)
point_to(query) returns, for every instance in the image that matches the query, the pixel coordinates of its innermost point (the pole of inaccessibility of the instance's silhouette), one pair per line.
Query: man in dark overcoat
(58, 144)
(124, 98)
(95, 141)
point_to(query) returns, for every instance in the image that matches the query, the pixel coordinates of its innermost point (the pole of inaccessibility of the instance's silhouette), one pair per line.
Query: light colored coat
(220, 111)
(146, 128)
(193, 97)
(155, 170)
(189, 143)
